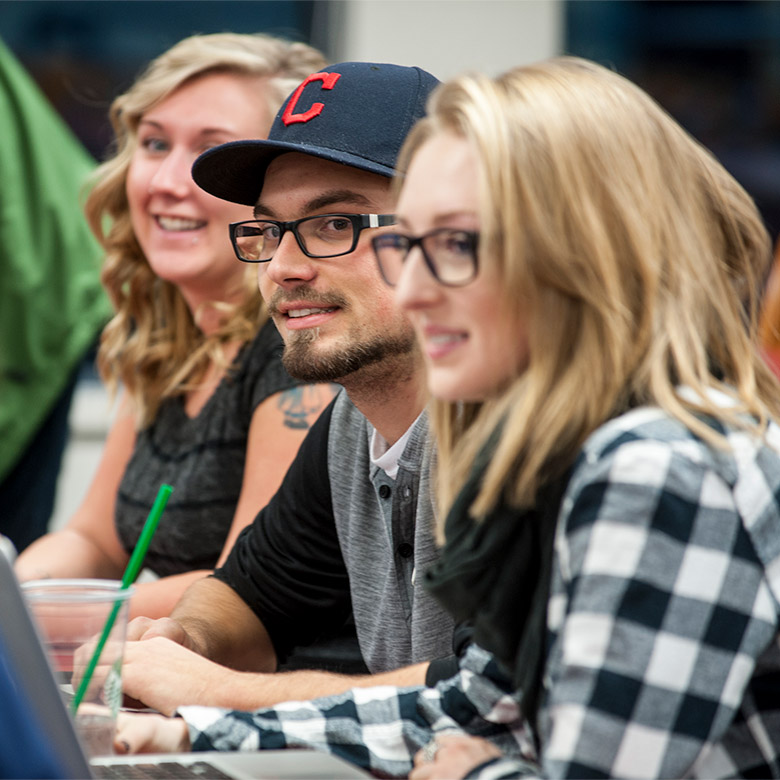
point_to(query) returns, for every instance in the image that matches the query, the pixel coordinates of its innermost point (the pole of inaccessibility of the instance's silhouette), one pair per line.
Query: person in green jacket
(52, 305)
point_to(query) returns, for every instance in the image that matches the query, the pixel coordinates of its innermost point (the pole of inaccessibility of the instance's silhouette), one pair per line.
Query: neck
(208, 316)
(390, 402)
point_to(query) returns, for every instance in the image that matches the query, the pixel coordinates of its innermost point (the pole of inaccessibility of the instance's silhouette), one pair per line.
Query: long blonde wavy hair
(153, 345)
(631, 258)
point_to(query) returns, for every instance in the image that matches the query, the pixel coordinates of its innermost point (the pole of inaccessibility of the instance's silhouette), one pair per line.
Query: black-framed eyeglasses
(325, 235)
(451, 255)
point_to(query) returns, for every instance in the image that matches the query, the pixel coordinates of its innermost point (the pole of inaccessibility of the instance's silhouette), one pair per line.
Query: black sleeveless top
(203, 459)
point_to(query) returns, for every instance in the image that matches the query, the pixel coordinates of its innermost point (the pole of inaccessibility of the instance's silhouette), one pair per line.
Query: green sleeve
(51, 303)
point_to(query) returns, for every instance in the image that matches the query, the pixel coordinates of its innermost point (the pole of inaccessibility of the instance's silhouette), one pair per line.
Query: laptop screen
(37, 738)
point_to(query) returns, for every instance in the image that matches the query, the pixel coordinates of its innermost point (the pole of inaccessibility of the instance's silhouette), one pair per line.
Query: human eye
(393, 241)
(335, 224)
(456, 242)
(269, 231)
(460, 243)
(330, 229)
(154, 144)
(264, 231)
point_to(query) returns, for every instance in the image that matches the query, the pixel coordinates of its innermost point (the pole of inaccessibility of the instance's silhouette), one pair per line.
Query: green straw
(131, 572)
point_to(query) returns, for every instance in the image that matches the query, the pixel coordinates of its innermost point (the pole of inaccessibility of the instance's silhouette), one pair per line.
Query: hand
(142, 733)
(164, 675)
(146, 628)
(103, 682)
(455, 757)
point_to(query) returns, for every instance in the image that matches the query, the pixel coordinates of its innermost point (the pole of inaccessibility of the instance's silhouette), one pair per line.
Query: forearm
(65, 554)
(221, 627)
(158, 598)
(379, 728)
(251, 691)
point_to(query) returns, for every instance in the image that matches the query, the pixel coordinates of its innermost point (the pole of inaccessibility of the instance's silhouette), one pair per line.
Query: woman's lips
(178, 224)
(440, 342)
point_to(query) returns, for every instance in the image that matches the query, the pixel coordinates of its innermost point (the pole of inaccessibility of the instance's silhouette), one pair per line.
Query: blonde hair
(769, 321)
(631, 258)
(153, 345)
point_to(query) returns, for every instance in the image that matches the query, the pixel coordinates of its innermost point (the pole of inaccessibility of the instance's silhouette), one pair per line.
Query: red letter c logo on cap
(327, 79)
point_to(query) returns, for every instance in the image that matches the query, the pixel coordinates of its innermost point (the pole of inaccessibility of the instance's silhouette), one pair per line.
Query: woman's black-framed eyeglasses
(450, 255)
(324, 235)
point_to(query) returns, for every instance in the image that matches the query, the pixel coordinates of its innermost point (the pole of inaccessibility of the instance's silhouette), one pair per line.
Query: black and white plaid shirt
(663, 653)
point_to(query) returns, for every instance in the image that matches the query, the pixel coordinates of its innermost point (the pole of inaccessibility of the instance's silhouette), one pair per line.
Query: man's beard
(304, 362)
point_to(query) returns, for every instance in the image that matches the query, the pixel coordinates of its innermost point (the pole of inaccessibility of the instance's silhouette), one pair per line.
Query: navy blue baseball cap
(355, 113)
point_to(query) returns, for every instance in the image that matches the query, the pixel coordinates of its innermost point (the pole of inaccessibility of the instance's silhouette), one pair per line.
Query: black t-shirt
(287, 565)
(203, 459)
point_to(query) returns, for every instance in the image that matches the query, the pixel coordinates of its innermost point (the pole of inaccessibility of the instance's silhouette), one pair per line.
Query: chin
(447, 391)
(453, 391)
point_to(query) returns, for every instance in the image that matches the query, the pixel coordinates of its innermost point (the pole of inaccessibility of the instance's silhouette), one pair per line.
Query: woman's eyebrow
(204, 131)
(440, 219)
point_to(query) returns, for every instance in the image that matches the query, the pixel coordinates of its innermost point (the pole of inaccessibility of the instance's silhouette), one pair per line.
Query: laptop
(38, 738)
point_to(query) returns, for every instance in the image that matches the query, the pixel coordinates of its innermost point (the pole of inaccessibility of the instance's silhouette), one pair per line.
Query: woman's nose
(416, 287)
(173, 176)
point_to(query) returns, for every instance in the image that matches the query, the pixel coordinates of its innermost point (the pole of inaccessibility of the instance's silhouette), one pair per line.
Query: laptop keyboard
(159, 771)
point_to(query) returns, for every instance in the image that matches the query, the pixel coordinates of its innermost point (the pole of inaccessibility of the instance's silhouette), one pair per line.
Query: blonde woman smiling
(583, 279)
(207, 405)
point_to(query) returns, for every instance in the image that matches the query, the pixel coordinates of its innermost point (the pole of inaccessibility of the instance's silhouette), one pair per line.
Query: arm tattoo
(300, 406)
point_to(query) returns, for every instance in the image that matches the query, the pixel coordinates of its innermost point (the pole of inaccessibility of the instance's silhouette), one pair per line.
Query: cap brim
(235, 171)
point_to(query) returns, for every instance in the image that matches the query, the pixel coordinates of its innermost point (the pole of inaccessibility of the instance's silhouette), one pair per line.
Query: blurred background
(714, 65)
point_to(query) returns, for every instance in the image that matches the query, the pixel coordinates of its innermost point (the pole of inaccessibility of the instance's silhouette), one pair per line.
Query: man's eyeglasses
(326, 235)
(451, 255)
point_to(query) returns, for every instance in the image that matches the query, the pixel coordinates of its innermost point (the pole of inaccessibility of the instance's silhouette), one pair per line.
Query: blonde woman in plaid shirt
(608, 451)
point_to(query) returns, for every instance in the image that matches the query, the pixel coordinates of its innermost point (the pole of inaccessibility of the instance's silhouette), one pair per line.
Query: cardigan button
(385, 491)
(405, 550)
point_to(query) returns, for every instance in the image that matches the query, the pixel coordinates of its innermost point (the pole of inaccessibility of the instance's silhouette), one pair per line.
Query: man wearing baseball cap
(351, 525)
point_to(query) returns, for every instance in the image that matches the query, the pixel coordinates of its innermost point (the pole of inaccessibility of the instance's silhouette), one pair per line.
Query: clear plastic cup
(71, 615)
